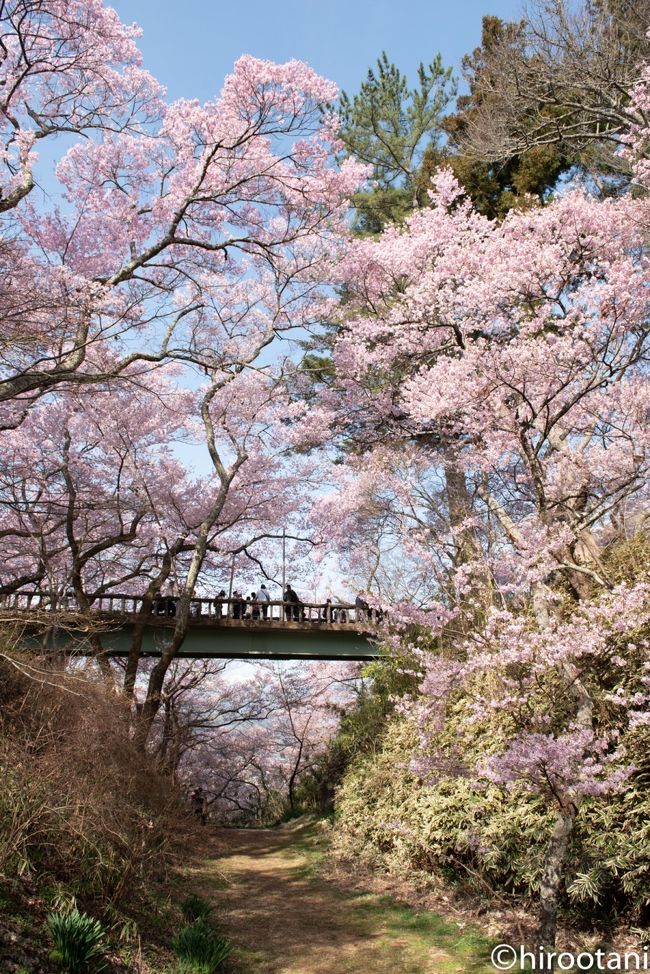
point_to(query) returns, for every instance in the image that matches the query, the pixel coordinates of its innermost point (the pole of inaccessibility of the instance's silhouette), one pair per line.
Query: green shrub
(79, 942)
(200, 950)
(195, 908)
(450, 830)
(390, 818)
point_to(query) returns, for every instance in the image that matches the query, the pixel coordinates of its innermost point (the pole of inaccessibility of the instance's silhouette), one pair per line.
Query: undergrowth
(87, 824)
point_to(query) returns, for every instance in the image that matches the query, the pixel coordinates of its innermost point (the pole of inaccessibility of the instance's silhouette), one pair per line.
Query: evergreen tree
(497, 186)
(549, 95)
(390, 127)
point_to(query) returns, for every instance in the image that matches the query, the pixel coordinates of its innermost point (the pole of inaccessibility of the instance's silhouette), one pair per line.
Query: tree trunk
(292, 779)
(467, 548)
(153, 591)
(553, 875)
(151, 704)
(459, 506)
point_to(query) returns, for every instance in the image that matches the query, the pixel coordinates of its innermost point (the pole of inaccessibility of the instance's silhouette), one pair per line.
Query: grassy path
(284, 918)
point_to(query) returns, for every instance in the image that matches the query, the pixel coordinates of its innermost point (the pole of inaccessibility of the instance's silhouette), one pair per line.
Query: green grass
(310, 845)
(194, 908)
(80, 942)
(370, 912)
(422, 932)
(362, 932)
(200, 949)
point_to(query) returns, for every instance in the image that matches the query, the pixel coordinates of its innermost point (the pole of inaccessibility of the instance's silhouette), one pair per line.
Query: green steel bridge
(218, 628)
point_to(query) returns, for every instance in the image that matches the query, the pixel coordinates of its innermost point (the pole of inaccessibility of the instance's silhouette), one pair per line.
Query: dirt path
(285, 919)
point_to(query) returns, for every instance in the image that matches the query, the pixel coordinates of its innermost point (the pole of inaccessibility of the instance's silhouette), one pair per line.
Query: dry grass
(81, 808)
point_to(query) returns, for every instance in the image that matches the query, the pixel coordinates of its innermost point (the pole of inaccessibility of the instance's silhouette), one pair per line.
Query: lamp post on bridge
(284, 569)
(232, 578)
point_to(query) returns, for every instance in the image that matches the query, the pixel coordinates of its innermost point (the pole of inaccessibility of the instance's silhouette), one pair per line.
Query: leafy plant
(200, 949)
(195, 908)
(79, 941)
(59, 899)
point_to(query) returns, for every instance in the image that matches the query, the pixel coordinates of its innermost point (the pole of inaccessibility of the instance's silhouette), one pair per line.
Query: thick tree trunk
(157, 677)
(459, 505)
(292, 779)
(133, 659)
(169, 749)
(553, 875)
(153, 591)
(135, 649)
(468, 550)
(151, 704)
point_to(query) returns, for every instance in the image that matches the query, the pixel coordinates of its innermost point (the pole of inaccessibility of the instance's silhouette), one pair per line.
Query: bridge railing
(226, 609)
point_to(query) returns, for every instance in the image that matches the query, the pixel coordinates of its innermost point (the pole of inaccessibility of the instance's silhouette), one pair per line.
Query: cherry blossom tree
(67, 67)
(523, 345)
(141, 304)
(175, 222)
(96, 505)
(199, 704)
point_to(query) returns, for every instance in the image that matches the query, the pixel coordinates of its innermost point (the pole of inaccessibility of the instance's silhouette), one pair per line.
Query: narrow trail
(284, 918)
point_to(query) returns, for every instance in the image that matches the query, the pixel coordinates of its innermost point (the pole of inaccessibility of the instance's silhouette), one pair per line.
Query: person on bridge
(362, 609)
(254, 606)
(263, 598)
(238, 606)
(296, 608)
(330, 614)
(164, 606)
(218, 603)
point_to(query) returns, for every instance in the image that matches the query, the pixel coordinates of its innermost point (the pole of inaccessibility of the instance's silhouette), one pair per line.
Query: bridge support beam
(245, 642)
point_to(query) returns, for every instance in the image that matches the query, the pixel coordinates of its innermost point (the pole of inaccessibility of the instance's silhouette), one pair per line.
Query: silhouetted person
(329, 614)
(362, 608)
(164, 606)
(294, 610)
(254, 606)
(238, 606)
(197, 801)
(218, 603)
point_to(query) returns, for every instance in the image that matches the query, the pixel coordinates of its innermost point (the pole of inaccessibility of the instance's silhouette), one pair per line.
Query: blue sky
(190, 45)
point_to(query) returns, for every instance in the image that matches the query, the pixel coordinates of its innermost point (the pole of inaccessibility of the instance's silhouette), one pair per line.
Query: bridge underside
(228, 639)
